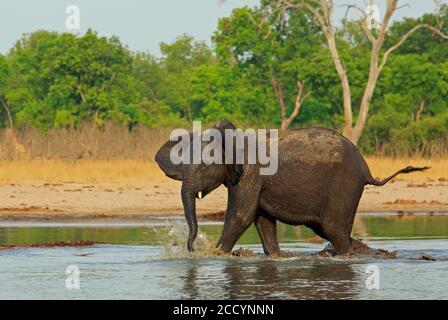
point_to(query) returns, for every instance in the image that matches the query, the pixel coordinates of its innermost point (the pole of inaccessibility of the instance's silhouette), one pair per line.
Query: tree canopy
(53, 80)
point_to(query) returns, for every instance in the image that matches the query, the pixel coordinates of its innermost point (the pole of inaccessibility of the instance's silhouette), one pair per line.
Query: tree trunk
(345, 84)
(358, 130)
(8, 112)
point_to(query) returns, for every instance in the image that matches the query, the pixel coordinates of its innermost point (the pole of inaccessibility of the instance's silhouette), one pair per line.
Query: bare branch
(405, 37)
(316, 8)
(421, 108)
(300, 98)
(391, 8)
(364, 26)
(407, 5)
(438, 13)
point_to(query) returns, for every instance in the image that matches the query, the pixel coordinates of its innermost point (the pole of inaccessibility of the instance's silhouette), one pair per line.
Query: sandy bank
(161, 196)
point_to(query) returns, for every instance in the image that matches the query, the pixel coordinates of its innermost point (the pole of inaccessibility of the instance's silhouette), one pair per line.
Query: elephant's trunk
(189, 202)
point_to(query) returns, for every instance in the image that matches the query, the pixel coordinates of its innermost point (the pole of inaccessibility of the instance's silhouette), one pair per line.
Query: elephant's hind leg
(339, 214)
(266, 227)
(338, 231)
(340, 239)
(335, 233)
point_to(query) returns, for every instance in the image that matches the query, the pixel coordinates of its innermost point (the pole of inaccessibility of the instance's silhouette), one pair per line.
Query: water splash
(174, 244)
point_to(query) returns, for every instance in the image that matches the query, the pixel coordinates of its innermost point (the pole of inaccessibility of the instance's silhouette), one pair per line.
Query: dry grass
(123, 171)
(384, 167)
(88, 142)
(82, 171)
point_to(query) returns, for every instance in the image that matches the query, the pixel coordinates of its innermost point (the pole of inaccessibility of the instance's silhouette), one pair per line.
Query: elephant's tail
(372, 181)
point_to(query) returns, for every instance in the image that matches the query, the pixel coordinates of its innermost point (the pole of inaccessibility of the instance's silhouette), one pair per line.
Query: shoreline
(133, 222)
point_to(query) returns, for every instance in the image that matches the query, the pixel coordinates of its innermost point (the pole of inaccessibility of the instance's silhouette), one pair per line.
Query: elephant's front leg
(242, 207)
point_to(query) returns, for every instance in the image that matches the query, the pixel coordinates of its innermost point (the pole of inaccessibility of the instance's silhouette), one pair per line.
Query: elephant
(319, 182)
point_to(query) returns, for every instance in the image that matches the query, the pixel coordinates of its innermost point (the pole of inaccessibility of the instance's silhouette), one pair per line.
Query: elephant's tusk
(200, 194)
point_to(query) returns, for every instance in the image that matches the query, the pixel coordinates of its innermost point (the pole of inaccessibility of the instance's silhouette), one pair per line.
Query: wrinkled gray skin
(320, 179)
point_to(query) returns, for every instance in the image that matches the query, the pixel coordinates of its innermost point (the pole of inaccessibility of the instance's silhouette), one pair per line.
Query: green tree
(269, 55)
(219, 91)
(416, 98)
(4, 84)
(63, 79)
(178, 62)
(321, 12)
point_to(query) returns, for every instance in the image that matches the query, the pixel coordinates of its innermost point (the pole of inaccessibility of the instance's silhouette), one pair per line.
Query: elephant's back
(312, 145)
(317, 154)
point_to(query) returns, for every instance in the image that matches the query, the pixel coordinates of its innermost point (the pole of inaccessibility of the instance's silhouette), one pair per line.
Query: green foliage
(261, 51)
(62, 80)
(4, 85)
(414, 104)
(4, 71)
(218, 91)
(69, 79)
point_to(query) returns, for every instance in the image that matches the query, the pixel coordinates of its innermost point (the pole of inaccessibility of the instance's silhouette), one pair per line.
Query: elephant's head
(198, 179)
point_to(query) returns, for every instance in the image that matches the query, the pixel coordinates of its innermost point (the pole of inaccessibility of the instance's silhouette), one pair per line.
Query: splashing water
(174, 245)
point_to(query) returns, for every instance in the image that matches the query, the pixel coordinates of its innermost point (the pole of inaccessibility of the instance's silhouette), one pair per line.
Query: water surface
(148, 262)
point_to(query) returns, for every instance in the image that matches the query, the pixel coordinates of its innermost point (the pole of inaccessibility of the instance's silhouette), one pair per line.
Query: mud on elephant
(320, 179)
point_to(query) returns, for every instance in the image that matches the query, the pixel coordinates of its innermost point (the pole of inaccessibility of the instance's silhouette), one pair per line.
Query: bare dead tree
(300, 98)
(322, 11)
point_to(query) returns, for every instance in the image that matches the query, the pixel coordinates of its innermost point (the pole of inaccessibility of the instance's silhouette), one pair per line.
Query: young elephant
(320, 180)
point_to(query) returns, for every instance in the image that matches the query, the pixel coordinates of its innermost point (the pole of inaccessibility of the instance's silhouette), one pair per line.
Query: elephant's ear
(234, 170)
(164, 161)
